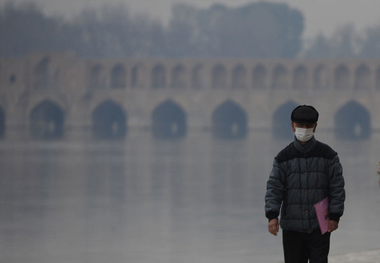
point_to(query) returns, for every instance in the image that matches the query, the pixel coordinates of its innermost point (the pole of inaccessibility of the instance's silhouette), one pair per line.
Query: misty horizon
(254, 30)
(321, 17)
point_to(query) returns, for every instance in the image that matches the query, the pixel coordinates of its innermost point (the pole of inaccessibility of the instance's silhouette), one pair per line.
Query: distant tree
(254, 30)
(93, 41)
(105, 32)
(320, 48)
(371, 43)
(345, 43)
(157, 41)
(25, 28)
(148, 37)
(182, 32)
(111, 32)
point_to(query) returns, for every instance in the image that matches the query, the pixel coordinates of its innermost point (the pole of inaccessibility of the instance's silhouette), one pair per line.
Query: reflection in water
(105, 211)
(143, 200)
(26, 194)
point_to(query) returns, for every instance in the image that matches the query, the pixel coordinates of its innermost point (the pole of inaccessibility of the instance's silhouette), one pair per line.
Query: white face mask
(304, 135)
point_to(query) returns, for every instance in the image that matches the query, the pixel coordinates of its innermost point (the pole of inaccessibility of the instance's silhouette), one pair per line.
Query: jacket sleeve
(337, 193)
(275, 191)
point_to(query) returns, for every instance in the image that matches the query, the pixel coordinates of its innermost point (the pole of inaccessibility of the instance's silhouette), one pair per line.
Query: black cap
(305, 114)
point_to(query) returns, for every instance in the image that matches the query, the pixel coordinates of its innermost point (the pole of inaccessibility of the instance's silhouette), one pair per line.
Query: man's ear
(315, 127)
(293, 127)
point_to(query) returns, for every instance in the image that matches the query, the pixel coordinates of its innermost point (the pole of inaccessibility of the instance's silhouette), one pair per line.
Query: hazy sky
(320, 15)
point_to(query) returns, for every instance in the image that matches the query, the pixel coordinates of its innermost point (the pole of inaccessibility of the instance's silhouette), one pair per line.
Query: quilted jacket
(302, 175)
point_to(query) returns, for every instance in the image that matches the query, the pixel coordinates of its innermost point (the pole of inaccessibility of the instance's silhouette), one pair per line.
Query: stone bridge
(60, 95)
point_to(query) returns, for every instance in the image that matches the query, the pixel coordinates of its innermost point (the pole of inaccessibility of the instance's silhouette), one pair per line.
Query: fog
(144, 131)
(117, 30)
(321, 16)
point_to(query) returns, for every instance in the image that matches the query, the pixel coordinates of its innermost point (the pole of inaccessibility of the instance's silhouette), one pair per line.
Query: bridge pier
(42, 92)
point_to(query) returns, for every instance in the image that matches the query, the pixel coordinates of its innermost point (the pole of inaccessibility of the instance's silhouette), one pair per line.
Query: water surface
(143, 200)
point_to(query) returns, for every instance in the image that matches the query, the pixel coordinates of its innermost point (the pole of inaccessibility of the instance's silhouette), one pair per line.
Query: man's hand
(333, 225)
(273, 226)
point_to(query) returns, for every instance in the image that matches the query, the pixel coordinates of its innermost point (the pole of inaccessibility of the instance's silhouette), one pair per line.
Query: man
(304, 173)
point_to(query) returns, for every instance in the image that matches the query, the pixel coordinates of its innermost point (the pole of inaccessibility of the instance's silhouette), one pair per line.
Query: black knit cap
(304, 114)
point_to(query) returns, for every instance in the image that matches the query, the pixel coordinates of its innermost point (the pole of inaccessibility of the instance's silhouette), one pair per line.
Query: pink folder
(322, 210)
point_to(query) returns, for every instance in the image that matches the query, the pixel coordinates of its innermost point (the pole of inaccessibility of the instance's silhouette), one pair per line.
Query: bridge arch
(229, 121)
(239, 77)
(47, 121)
(178, 77)
(219, 77)
(169, 121)
(320, 78)
(118, 77)
(109, 121)
(362, 78)
(259, 77)
(42, 74)
(300, 78)
(158, 77)
(281, 127)
(2, 122)
(342, 77)
(353, 121)
(280, 77)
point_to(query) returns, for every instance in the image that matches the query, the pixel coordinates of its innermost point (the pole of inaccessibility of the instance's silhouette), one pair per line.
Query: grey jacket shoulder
(320, 150)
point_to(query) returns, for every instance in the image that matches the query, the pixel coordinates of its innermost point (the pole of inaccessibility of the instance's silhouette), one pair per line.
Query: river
(142, 200)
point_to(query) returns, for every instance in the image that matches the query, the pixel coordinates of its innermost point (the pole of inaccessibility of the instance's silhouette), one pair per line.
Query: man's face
(303, 125)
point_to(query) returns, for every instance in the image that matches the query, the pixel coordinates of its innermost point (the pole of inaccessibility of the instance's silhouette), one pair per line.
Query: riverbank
(370, 256)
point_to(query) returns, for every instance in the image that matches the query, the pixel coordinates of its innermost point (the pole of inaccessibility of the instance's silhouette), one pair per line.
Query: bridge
(61, 95)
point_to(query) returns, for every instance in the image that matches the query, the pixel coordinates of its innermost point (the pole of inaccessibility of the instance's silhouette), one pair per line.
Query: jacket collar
(307, 147)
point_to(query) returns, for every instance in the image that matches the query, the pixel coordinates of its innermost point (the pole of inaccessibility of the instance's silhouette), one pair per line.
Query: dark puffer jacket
(302, 175)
